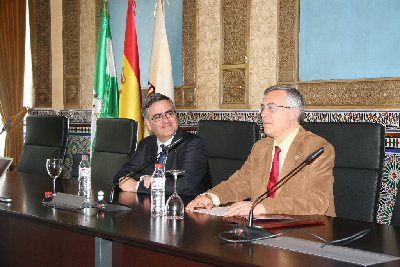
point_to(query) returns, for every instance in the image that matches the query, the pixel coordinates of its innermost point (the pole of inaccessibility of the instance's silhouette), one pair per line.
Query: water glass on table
(174, 208)
(54, 168)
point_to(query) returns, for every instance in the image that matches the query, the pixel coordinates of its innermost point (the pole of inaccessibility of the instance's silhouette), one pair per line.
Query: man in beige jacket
(308, 192)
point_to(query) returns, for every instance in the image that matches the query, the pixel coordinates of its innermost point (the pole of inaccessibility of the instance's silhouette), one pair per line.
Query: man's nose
(164, 117)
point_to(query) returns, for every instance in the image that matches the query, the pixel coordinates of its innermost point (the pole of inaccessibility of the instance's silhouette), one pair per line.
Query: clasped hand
(241, 208)
(128, 184)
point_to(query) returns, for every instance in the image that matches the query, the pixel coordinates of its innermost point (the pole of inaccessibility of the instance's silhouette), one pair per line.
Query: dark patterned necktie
(163, 157)
(273, 177)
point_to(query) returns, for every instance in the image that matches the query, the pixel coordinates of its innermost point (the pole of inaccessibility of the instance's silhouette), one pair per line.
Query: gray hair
(293, 98)
(150, 100)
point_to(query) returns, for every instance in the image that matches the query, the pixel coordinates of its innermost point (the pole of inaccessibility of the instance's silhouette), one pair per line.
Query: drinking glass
(174, 208)
(54, 168)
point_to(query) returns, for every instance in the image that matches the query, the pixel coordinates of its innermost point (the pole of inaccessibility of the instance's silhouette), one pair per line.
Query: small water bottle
(158, 191)
(84, 179)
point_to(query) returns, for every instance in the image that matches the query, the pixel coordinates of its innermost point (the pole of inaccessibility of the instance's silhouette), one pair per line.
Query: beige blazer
(308, 192)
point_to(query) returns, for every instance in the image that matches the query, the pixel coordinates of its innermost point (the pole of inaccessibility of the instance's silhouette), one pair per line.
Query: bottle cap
(100, 195)
(158, 166)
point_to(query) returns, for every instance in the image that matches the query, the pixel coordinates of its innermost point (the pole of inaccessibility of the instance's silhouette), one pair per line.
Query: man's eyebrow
(170, 110)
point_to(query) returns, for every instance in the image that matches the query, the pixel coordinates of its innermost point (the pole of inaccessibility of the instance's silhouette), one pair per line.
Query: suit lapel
(171, 154)
(266, 160)
(152, 148)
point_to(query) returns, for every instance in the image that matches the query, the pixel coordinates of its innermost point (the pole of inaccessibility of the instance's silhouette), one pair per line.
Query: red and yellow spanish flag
(130, 100)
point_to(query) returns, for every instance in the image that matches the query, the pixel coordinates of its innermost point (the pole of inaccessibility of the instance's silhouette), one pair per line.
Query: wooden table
(35, 235)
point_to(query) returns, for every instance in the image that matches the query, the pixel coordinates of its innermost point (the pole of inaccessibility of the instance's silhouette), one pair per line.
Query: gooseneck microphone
(165, 151)
(276, 186)
(5, 127)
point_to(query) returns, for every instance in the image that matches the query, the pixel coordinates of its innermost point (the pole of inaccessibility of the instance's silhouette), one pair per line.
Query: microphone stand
(276, 186)
(5, 128)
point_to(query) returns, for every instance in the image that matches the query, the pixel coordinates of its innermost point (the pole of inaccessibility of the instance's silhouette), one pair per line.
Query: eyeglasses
(271, 107)
(159, 116)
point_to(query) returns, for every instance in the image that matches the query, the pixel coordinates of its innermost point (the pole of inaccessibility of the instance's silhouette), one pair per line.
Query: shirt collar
(285, 144)
(166, 143)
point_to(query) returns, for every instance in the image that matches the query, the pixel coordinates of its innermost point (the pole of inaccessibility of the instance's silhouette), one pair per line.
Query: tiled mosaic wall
(79, 138)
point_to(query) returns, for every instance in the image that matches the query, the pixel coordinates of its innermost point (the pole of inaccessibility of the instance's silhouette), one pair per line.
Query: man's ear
(148, 125)
(294, 114)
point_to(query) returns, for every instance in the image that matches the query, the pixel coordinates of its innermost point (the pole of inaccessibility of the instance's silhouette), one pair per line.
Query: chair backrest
(396, 209)
(359, 157)
(46, 137)
(228, 144)
(115, 142)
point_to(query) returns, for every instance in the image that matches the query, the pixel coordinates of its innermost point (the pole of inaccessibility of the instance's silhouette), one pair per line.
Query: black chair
(359, 157)
(396, 210)
(46, 137)
(115, 142)
(228, 144)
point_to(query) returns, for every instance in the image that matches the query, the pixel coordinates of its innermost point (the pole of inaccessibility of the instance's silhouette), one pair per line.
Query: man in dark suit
(188, 155)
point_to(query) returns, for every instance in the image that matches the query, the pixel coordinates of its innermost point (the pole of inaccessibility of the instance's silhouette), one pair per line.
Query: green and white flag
(105, 91)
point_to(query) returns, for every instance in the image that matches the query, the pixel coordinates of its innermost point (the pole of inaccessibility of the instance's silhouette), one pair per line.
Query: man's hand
(127, 184)
(243, 208)
(201, 201)
(147, 181)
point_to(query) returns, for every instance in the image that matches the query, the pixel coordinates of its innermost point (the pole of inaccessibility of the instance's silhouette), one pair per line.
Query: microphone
(166, 150)
(6, 126)
(276, 186)
(250, 232)
(163, 152)
(171, 146)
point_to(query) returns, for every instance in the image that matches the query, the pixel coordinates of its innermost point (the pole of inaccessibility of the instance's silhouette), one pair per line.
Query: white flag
(160, 76)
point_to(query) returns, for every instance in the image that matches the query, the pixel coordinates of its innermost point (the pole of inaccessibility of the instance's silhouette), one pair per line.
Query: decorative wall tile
(71, 40)
(235, 26)
(389, 187)
(234, 86)
(189, 34)
(41, 53)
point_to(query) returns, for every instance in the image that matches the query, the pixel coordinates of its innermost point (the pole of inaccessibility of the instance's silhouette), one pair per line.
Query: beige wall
(263, 49)
(57, 55)
(208, 53)
(88, 45)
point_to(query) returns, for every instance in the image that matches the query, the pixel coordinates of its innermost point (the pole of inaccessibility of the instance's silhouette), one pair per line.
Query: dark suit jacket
(189, 155)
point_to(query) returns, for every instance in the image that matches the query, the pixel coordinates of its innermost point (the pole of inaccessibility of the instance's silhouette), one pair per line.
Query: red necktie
(273, 177)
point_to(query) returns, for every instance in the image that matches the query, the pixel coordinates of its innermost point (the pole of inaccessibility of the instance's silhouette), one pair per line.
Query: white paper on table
(220, 211)
(215, 211)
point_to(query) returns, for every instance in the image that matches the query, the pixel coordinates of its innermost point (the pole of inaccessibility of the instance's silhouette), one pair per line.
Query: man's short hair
(150, 100)
(293, 98)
